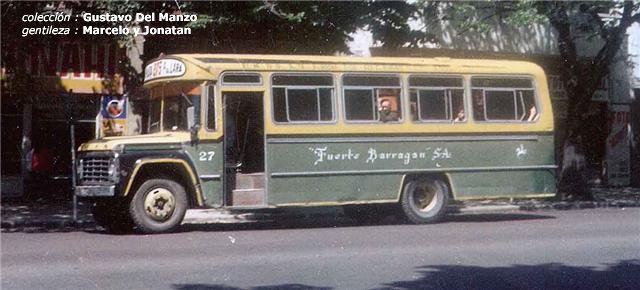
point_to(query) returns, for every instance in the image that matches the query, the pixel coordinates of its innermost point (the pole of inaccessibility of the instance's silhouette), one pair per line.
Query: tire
(112, 215)
(424, 200)
(158, 206)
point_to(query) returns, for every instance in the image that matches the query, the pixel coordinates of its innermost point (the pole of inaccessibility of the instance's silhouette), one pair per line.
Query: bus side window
(503, 99)
(437, 98)
(302, 98)
(373, 98)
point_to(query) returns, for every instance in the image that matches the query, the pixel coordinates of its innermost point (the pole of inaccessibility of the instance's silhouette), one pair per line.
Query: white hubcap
(159, 203)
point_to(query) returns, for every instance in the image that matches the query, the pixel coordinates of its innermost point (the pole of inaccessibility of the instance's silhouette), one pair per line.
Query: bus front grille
(94, 170)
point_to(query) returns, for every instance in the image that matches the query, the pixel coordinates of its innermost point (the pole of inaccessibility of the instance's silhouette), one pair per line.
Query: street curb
(39, 225)
(563, 205)
(216, 216)
(209, 216)
(484, 209)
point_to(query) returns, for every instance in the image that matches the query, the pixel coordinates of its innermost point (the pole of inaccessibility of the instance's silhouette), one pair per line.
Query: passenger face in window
(385, 107)
(384, 110)
(460, 117)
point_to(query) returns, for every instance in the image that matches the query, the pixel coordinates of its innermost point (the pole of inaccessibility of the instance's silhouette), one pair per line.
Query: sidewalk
(57, 215)
(43, 215)
(603, 197)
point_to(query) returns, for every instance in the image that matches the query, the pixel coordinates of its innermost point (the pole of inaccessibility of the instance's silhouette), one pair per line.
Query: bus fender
(181, 164)
(443, 176)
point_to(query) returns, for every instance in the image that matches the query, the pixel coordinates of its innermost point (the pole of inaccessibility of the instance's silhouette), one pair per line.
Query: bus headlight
(113, 169)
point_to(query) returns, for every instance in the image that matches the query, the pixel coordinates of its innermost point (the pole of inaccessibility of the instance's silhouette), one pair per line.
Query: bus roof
(209, 66)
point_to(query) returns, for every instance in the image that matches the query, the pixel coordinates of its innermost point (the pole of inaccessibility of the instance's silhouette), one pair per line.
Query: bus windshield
(176, 112)
(171, 112)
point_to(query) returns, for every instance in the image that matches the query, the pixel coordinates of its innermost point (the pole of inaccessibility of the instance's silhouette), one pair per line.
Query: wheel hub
(159, 204)
(425, 198)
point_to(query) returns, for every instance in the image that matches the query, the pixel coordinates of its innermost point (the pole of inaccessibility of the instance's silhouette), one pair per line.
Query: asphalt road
(592, 249)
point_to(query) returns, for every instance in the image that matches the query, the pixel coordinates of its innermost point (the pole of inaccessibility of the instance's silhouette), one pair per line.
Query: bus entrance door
(244, 149)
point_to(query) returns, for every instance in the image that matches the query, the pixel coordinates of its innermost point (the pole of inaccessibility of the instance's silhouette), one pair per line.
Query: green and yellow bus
(271, 131)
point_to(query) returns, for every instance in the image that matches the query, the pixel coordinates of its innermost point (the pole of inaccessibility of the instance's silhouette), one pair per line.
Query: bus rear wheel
(424, 200)
(159, 205)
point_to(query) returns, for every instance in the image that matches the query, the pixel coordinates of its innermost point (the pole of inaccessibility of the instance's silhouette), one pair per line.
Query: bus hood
(113, 143)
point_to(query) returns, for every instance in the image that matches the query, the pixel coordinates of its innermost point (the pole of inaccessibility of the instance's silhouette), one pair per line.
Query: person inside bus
(385, 113)
(532, 115)
(460, 117)
(478, 105)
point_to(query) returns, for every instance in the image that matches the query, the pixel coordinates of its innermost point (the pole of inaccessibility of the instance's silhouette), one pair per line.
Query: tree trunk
(573, 179)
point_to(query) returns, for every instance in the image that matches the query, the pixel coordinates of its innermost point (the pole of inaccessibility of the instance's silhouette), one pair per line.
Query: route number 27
(206, 155)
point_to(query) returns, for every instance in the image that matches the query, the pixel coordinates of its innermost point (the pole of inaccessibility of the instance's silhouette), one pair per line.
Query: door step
(248, 197)
(249, 181)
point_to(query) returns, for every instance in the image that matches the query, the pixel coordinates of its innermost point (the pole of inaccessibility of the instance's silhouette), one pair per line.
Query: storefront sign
(73, 66)
(618, 145)
(164, 68)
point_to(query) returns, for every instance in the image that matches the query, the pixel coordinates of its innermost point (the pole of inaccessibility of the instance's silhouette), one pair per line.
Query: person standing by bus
(40, 163)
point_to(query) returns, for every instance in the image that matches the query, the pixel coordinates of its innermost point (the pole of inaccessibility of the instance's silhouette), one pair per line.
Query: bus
(275, 131)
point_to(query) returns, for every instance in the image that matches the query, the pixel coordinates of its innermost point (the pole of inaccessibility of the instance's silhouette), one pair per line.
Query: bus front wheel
(424, 200)
(159, 205)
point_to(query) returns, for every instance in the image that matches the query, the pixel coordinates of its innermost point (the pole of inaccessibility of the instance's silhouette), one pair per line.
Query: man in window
(385, 113)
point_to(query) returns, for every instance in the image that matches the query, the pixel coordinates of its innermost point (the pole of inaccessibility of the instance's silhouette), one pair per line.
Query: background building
(51, 107)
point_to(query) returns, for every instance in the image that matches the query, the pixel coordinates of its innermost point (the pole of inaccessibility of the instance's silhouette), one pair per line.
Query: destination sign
(164, 68)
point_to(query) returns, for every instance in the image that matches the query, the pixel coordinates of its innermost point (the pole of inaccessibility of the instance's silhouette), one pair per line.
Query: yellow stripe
(185, 165)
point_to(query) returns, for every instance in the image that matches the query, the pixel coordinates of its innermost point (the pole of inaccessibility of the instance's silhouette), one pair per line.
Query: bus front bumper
(92, 191)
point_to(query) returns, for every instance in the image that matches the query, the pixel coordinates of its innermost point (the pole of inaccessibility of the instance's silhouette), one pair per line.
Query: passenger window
(436, 98)
(503, 99)
(302, 98)
(500, 105)
(372, 98)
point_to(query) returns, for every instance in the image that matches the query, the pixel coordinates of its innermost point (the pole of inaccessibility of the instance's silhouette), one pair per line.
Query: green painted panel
(331, 169)
(208, 160)
(340, 188)
(402, 155)
(502, 183)
(212, 190)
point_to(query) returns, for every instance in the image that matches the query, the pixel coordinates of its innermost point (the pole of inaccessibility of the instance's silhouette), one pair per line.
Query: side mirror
(194, 133)
(191, 123)
(190, 116)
